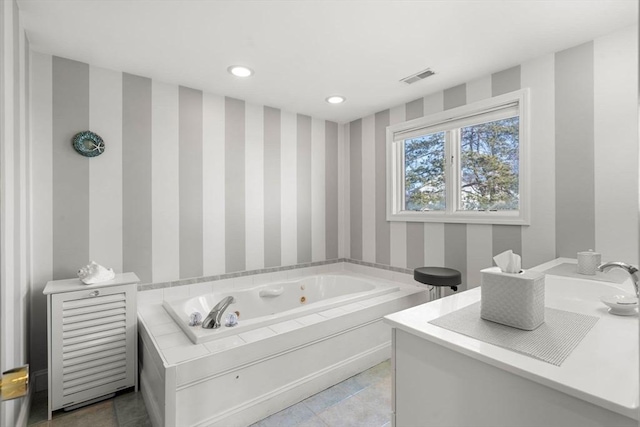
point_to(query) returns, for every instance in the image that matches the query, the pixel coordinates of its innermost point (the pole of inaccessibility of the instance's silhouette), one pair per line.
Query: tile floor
(362, 400)
(124, 410)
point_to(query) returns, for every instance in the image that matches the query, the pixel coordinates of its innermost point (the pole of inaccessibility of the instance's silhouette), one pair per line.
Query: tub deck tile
(182, 353)
(257, 334)
(334, 312)
(148, 297)
(155, 314)
(354, 306)
(158, 330)
(223, 344)
(382, 298)
(310, 319)
(286, 326)
(174, 339)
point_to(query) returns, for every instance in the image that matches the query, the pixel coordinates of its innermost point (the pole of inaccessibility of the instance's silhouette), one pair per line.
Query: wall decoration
(88, 144)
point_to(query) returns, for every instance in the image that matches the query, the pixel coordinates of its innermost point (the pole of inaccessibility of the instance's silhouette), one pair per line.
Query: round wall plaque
(88, 144)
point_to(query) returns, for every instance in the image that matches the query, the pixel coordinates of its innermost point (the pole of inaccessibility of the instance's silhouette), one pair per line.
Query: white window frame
(396, 134)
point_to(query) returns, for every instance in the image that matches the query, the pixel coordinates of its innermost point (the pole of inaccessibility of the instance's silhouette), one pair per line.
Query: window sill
(493, 218)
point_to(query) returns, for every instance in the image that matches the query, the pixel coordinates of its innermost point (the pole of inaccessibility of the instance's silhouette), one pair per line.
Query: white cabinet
(92, 339)
(443, 378)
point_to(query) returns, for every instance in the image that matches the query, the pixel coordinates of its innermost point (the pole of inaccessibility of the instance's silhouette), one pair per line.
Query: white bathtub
(265, 305)
(283, 350)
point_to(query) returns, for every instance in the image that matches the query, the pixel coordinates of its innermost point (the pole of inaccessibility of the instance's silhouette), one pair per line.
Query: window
(467, 164)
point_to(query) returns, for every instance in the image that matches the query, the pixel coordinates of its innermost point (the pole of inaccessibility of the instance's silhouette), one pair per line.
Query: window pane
(490, 166)
(424, 173)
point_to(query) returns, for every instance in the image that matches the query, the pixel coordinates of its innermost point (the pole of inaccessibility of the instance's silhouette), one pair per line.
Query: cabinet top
(601, 370)
(70, 285)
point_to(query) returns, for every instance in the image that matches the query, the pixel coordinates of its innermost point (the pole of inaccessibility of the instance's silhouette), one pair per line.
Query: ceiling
(303, 51)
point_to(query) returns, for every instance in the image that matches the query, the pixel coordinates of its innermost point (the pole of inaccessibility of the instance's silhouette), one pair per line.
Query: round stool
(439, 277)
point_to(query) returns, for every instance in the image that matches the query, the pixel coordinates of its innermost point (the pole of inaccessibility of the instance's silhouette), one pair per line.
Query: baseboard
(40, 380)
(301, 389)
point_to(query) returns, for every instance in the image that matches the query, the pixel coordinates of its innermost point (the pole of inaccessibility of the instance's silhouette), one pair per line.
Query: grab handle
(270, 293)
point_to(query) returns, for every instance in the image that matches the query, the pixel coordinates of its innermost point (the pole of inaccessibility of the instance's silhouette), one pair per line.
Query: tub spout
(212, 321)
(633, 272)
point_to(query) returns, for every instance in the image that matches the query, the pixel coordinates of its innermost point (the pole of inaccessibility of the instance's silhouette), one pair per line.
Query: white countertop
(602, 369)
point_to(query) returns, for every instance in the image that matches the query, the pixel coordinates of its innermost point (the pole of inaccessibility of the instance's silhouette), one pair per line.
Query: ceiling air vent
(418, 76)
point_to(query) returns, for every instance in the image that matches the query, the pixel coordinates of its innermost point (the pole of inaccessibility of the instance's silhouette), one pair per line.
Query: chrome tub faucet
(626, 267)
(212, 321)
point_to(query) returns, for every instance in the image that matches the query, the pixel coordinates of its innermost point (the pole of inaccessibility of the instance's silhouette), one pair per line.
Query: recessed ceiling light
(336, 99)
(240, 71)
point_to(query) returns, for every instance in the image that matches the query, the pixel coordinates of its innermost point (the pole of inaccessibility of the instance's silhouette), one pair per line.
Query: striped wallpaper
(190, 184)
(584, 167)
(195, 184)
(15, 203)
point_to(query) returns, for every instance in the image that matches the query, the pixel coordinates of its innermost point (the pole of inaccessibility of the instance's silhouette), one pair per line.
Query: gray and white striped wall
(194, 184)
(15, 203)
(190, 184)
(584, 163)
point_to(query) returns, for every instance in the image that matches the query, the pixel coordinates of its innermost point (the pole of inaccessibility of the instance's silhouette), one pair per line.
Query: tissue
(95, 273)
(508, 262)
(511, 296)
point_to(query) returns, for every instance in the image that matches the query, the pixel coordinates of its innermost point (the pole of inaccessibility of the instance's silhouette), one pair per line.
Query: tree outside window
(489, 166)
(468, 164)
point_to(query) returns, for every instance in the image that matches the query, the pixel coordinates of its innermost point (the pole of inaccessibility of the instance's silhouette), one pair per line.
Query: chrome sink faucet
(212, 321)
(626, 267)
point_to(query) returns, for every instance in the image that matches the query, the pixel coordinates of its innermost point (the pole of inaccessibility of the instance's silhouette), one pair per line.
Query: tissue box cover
(515, 300)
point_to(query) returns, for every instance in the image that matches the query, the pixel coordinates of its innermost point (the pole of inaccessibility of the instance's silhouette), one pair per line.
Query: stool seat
(438, 276)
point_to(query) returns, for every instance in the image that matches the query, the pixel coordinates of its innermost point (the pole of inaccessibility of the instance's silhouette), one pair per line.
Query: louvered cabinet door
(93, 335)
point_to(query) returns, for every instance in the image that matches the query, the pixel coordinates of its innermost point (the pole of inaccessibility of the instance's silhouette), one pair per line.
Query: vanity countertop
(602, 369)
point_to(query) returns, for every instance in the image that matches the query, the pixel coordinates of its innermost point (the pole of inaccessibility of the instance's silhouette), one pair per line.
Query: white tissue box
(513, 299)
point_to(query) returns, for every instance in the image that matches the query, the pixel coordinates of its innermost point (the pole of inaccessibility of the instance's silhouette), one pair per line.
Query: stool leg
(436, 292)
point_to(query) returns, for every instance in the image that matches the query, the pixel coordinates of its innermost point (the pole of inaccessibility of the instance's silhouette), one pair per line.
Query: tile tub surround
(303, 270)
(308, 354)
(294, 299)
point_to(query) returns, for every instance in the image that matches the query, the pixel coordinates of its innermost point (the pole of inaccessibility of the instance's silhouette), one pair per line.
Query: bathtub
(294, 338)
(268, 304)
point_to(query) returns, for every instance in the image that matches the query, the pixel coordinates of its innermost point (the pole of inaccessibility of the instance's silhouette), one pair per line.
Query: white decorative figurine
(95, 273)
